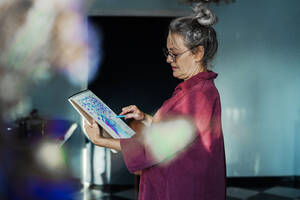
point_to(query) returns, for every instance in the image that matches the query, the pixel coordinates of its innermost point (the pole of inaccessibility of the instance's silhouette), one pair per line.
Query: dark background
(133, 71)
(133, 68)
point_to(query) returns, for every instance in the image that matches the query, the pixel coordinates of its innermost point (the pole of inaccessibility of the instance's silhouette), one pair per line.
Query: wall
(259, 79)
(136, 8)
(259, 85)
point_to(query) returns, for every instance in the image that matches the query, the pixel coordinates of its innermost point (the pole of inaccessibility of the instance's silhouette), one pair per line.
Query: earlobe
(199, 53)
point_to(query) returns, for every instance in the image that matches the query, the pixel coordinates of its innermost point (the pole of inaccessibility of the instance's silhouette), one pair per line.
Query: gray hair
(197, 30)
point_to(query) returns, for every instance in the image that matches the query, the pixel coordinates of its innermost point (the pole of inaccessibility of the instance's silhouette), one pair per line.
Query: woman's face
(186, 64)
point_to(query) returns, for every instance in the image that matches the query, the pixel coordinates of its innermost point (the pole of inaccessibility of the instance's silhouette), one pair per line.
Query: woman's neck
(197, 71)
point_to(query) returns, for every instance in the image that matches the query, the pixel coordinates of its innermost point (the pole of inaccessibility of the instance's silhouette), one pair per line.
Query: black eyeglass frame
(167, 53)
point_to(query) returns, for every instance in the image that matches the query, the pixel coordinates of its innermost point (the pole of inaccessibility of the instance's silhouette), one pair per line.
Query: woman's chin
(176, 75)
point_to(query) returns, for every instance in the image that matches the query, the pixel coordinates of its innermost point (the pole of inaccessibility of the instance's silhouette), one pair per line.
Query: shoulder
(206, 91)
(197, 100)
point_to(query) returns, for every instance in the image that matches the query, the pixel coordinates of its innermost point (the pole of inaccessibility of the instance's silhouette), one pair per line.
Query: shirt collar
(202, 76)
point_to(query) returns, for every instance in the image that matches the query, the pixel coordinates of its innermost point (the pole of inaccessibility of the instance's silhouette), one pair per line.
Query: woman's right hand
(133, 112)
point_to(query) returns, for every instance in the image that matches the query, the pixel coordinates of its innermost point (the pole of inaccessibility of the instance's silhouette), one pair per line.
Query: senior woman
(199, 171)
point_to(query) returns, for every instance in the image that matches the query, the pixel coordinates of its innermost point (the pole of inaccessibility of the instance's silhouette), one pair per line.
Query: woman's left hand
(93, 131)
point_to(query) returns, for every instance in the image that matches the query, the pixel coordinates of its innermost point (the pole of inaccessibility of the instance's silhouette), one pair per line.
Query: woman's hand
(133, 112)
(93, 132)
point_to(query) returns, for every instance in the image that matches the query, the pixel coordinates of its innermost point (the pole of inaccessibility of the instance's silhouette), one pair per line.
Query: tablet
(90, 107)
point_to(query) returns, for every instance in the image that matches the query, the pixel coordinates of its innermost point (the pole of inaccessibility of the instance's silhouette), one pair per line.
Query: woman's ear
(198, 53)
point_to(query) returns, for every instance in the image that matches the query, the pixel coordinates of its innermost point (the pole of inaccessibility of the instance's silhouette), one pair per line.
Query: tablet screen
(101, 113)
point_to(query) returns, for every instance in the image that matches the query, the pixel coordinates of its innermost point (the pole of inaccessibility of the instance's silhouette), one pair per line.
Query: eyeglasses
(173, 55)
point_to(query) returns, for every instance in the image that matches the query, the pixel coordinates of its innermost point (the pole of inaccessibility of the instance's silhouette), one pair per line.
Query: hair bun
(204, 15)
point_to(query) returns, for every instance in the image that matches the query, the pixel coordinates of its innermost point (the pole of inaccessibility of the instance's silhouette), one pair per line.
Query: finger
(129, 107)
(85, 129)
(131, 115)
(87, 122)
(128, 116)
(126, 107)
(87, 125)
(122, 113)
(94, 125)
(126, 111)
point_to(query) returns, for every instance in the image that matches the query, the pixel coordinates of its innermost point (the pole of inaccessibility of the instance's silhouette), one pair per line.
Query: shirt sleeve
(136, 155)
(201, 107)
(197, 106)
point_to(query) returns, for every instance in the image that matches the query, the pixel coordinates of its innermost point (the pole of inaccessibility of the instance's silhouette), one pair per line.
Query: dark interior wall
(133, 70)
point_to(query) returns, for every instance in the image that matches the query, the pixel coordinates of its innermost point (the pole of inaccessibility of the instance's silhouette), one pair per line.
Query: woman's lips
(174, 68)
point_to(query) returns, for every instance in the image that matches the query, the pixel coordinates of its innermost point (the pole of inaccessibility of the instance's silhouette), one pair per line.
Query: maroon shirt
(199, 171)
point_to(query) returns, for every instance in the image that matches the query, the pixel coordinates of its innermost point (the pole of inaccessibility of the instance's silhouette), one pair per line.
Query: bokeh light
(166, 139)
(50, 156)
(39, 38)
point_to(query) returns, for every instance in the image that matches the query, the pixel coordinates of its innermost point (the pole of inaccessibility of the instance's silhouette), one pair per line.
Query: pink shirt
(199, 171)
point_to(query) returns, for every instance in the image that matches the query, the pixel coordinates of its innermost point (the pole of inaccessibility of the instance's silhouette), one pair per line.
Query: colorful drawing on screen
(101, 112)
(110, 123)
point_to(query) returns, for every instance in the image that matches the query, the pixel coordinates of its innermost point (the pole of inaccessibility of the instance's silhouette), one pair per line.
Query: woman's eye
(173, 54)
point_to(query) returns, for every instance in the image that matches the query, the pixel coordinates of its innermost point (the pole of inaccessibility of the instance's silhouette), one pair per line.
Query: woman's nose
(169, 59)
